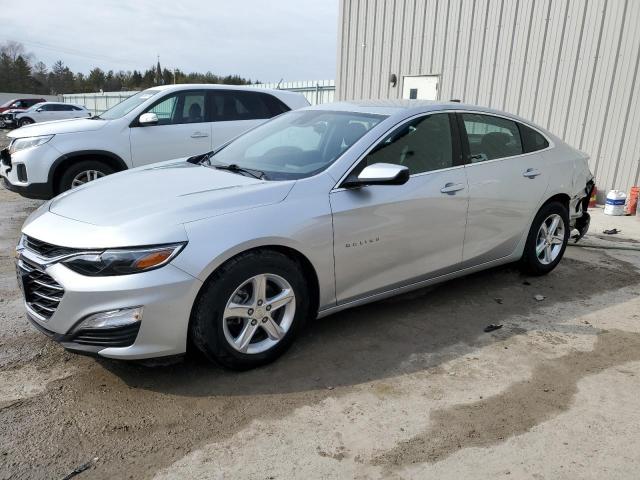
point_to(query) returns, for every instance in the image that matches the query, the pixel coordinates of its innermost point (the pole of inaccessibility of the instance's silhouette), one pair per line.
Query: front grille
(108, 337)
(42, 293)
(45, 249)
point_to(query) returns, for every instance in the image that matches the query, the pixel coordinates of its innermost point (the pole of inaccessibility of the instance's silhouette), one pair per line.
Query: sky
(264, 40)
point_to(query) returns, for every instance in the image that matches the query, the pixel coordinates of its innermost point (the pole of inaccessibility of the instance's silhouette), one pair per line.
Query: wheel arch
(558, 197)
(309, 272)
(62, 163)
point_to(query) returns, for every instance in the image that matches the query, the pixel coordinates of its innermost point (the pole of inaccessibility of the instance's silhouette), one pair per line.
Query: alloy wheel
(259, 313)
(550, 239)
(86, 176)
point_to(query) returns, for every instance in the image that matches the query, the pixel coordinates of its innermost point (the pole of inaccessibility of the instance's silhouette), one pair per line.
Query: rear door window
(231, 105)
(491, 137)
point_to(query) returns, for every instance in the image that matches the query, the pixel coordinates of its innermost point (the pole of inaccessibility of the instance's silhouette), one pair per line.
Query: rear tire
(547, 239)
(264, 330)
(83, 172)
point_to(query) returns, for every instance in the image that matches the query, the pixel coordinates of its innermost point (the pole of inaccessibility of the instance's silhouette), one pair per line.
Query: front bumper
(166, 295)
(8, 120)
(37, 191)
(27, 171)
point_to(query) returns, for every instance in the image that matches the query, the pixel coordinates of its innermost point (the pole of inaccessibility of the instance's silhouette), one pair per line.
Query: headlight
(28, 142)
(123, 261)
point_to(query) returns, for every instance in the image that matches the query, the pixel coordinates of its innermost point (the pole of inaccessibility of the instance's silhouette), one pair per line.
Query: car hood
(71, 125)
(174, 192)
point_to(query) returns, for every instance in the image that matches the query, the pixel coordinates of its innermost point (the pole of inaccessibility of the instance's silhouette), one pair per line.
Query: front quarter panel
(301, 222)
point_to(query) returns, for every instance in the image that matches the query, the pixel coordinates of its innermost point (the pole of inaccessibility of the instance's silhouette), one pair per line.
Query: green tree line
(21, 72)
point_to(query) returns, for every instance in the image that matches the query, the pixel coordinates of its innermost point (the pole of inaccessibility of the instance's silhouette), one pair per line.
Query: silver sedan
(318, 210)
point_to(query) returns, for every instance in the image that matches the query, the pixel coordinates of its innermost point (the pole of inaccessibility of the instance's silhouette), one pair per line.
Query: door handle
(531, 173)
(199, 135)
(452, 188)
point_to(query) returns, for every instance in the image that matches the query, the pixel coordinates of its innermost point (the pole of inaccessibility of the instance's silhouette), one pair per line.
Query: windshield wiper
(237, 169)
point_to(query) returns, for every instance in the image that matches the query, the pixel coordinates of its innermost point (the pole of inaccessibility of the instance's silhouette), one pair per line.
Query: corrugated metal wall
(568, 65)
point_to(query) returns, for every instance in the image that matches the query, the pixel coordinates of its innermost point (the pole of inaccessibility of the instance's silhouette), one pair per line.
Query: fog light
(111, 319)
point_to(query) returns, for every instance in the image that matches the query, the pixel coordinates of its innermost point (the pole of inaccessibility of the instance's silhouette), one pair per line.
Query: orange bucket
(632, 202)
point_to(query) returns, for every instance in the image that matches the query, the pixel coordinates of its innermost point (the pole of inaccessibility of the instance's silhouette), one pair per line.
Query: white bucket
(614, 204)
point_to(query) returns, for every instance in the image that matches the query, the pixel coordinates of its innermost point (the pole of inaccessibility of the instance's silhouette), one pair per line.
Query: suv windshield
(124, 107)
(296, 144)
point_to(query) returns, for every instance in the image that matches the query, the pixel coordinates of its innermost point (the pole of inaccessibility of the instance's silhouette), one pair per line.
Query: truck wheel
(83, 172)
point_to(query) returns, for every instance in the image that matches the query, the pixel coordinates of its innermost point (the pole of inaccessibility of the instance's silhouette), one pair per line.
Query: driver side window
(184, 107)
(422, 145)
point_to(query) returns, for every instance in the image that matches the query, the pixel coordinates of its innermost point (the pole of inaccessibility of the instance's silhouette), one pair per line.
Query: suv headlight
(28, 142)
(123, 261)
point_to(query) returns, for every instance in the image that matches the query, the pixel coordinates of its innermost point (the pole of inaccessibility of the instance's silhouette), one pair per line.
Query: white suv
(157, 124)
(49, 111)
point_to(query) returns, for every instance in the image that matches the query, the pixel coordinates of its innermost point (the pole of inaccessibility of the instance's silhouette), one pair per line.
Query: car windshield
(124, 107)
(35, 107)
(296, 144)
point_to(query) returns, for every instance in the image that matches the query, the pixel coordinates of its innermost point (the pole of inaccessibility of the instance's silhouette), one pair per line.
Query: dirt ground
(406, 388)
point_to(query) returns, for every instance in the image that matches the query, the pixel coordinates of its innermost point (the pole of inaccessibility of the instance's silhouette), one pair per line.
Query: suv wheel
(250, 310)
(547, 239)
(25, 121)
(83, 172)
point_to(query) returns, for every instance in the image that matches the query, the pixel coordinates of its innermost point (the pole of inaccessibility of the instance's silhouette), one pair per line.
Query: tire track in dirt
(549, 392)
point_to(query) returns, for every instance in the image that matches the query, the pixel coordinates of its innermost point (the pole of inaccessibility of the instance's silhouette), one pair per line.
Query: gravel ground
(410, 387)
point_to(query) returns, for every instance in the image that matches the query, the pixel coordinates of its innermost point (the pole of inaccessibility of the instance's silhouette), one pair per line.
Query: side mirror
(380, 174)
(39, 109)
(147, 119)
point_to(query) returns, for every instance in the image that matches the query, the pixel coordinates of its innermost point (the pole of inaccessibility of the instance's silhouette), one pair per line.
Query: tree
(159, 80)
(14, 50)
(61, 79)
(96, 79)
(20, 72)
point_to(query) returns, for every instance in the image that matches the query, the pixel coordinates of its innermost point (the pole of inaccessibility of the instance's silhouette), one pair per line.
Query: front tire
(25, 121)
(83, 172)
(547, 239)
(250, 310)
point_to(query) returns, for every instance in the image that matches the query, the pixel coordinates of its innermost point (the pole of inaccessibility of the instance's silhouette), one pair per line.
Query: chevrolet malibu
(315, 211)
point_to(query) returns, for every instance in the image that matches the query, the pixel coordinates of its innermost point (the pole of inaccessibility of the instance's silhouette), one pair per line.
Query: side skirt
(415, 286)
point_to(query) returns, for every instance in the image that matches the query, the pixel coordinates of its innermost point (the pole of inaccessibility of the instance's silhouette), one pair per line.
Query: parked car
(316, 211)
(157, 124)
(17, 105)
(48, 111)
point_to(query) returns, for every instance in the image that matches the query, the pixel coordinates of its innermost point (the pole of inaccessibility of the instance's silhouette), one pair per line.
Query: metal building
(570, 66)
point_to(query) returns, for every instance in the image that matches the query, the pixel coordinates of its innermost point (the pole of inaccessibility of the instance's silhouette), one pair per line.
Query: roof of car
(406, 107)
(46, 102)
(210, 86)
(398, 105)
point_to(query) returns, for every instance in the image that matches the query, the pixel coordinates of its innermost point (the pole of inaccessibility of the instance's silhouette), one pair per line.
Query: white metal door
(420, 87)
